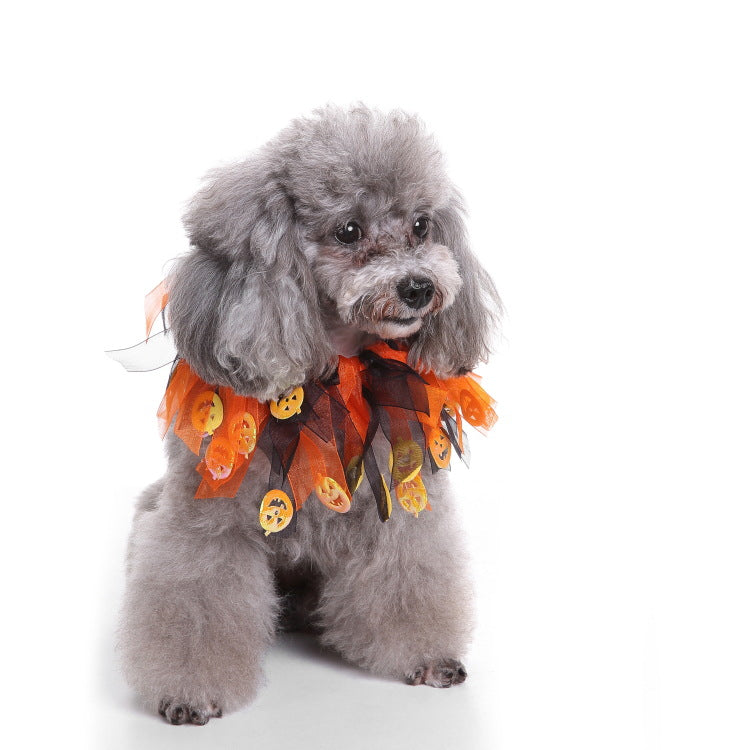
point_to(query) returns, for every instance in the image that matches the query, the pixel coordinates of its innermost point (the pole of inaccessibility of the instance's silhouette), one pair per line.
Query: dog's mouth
(400, 321)
(393, 327)
(386, 316)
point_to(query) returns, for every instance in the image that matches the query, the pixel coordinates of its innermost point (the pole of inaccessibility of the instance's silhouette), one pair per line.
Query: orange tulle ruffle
(325, 438)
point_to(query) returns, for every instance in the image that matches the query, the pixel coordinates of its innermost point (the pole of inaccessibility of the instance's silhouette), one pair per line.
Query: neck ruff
(376, 419)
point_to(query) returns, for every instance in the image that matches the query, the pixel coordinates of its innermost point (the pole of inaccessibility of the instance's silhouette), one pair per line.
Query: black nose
(415, 292)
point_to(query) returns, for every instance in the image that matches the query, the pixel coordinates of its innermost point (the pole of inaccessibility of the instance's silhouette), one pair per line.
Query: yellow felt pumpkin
(288, 405)
(385, 506)
(276, 511)
(412, 495)
(207, 412)
(332, 495)
(355, 470)
(405, 460)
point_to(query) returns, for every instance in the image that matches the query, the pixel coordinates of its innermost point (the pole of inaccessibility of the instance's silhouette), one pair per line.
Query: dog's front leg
(401, 605)
(199, 610)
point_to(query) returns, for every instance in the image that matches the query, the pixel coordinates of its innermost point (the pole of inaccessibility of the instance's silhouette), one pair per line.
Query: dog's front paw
(184, 713)
(440, 673)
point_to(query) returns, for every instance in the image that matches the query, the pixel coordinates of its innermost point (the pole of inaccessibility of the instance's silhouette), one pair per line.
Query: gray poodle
(342, 231)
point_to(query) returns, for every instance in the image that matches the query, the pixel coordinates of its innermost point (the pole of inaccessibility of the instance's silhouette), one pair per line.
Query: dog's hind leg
(199, 611)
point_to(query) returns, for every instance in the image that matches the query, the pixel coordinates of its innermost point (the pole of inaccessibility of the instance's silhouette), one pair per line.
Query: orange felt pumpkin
(243, 433)
(289, 405)
(471, 408)
(276, 511)
(219, 458)
(207, 412)
(440, 448)
(412, 495)
(332, 495)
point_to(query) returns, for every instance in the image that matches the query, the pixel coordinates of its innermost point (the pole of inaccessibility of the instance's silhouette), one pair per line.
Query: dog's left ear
(455, 340)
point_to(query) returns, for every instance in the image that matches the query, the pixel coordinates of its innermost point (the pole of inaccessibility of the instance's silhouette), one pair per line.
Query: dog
(342, 231)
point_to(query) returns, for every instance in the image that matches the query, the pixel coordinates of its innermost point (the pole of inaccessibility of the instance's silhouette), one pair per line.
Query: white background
(603, 151)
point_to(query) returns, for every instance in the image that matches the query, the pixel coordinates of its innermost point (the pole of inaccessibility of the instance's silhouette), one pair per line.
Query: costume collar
(377, 419)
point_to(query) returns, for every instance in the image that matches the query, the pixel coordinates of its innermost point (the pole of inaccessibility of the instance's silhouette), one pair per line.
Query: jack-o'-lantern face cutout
(276, 511)
(412, 495)
(440, 447)
(355, 470)
(289, 405)
(405, 460)
(332, 495)
(243, 433)
(207, 412)
(219, 458)
(471, 408)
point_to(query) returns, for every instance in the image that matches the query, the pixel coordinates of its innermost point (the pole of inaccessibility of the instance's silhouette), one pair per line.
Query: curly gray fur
(266, 300)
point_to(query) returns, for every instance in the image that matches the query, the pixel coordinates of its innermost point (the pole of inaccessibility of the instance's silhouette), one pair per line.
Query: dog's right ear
(454, 341)
(243, 304)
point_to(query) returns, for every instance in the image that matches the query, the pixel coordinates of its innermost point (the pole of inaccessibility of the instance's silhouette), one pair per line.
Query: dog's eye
(349, 233)
(421, 227)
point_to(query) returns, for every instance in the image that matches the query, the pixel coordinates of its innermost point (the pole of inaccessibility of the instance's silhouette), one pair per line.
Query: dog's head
(344, 222)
